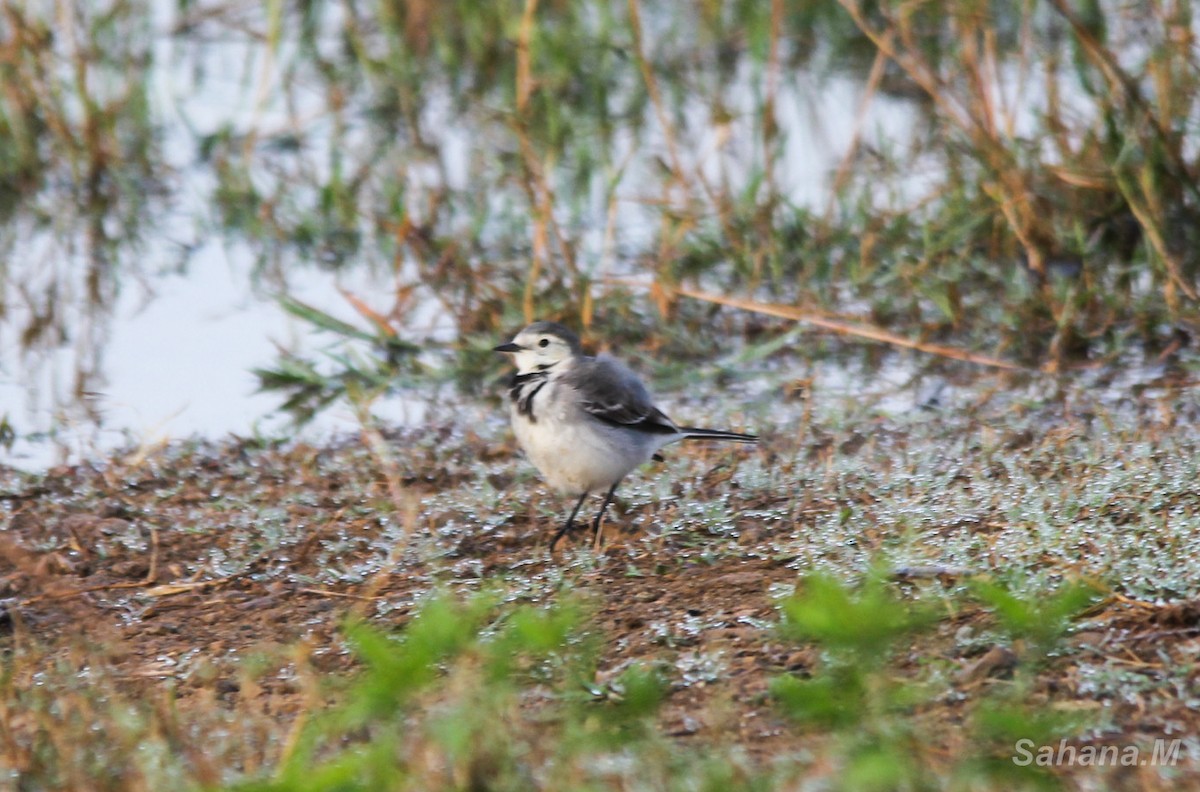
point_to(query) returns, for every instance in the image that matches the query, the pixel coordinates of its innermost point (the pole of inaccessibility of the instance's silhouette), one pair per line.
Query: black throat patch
(523, 390)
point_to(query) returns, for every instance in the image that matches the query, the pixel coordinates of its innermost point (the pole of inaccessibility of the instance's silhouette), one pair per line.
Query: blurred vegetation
(478, 694)
(579, 161)
(78, 135)
(83, 179)
(471, 694)
(874, 712)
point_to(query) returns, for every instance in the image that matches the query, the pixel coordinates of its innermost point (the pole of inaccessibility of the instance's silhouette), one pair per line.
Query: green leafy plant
(364, 364)
(865, 694)
(444, 704)
(853, 693)
(1040, 619)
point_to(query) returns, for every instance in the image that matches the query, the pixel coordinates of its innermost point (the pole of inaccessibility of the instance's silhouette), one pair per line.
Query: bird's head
(542, 346)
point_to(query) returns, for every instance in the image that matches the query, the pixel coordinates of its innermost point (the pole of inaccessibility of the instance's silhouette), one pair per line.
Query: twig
(150, 578)
(1121, 80)
(878, 69)
(856, 329)
(171, 589)
(1016, 199)
(1156, 635)
(1136, 603)
(536, 184)
(647, 70)
(346, 595)
(770, 117)
(921, 572)
(152, 572)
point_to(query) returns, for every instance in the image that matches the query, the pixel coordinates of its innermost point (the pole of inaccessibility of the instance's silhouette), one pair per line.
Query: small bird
(585, 422)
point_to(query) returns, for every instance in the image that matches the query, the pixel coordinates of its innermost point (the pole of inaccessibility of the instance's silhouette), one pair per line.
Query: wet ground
(176, 568)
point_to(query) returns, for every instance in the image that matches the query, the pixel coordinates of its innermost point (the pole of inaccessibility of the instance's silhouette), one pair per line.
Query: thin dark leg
(570, 523)
(607, 500)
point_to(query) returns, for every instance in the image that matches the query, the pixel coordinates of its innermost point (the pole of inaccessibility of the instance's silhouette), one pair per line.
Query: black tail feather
(695, 433)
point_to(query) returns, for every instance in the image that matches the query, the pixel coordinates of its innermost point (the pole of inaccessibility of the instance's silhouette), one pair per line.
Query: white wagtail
(585, 422)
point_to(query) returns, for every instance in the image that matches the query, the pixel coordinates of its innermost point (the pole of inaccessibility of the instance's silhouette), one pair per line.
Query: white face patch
(539, 351)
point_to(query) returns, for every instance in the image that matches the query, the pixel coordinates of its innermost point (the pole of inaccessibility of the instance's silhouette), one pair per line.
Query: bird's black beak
(509, 347)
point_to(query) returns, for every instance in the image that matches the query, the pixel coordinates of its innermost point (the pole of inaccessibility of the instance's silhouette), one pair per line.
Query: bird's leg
(600, 514)
(569, 524)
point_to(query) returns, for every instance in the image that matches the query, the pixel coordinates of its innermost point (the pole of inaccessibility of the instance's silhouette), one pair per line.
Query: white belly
(576, 454)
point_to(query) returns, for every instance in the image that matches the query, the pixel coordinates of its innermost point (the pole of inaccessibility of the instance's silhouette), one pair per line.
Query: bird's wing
(611, 393)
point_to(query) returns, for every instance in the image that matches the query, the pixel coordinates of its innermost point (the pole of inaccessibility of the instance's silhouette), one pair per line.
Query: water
(178, 363)
(168, 350)
(190, 311)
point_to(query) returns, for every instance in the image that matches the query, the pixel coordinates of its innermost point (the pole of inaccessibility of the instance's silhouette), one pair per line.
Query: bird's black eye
(545, 342)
